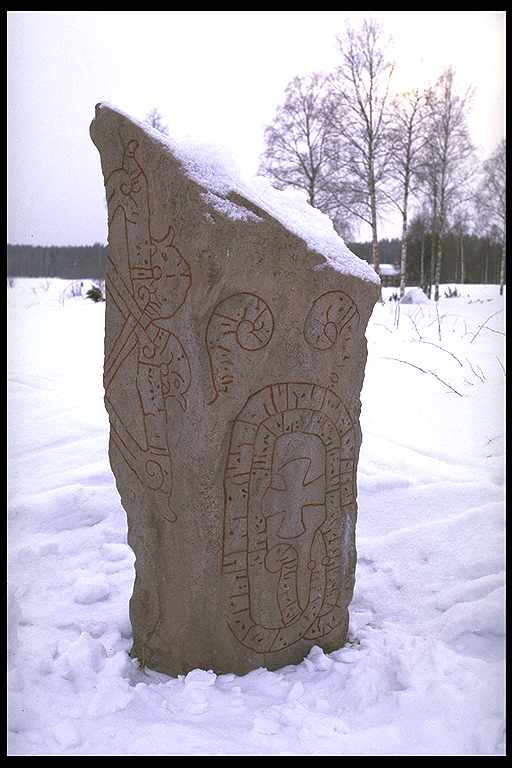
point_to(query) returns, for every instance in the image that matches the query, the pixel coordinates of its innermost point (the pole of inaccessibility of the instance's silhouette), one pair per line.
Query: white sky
(215, 75)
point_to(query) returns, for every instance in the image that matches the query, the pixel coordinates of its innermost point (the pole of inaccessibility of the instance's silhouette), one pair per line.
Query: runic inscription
(148, 281)
(242, 322)
(289, 496)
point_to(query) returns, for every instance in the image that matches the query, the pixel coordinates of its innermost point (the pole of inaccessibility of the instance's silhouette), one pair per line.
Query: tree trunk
(502, 268)
(433, 247)
(375, 253)
(437, 272)
(375, 239)
(403, 255)
(462, 263)
(422, 262)
(311, 192)
(439, 249)
(433, 239)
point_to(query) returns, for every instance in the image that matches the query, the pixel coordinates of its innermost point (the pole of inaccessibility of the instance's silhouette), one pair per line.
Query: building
(389, 275)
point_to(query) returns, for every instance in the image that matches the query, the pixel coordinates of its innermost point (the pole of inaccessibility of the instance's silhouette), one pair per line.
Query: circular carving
(243, 321)
(329, 314)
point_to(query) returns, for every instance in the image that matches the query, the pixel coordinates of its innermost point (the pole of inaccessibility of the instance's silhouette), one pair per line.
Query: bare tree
(156, 121)
(406, 142)
(296, 143)
(359, 121)
(490, 201)
(446, 166)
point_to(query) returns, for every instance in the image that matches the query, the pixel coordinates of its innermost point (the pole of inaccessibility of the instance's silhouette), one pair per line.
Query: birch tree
(406, 141)
(490, 201)
(448, 152)
(297, 141)
(359, 119)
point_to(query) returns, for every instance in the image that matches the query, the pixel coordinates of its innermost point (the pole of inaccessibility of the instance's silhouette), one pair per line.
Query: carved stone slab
(234, 360)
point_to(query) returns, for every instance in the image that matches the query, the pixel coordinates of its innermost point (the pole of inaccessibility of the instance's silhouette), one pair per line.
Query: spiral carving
(155, 474)
(329, 315)
(244, 322)
(142, 296)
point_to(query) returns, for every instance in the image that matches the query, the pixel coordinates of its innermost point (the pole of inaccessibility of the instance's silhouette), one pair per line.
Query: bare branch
(484, 324)
(396, 359)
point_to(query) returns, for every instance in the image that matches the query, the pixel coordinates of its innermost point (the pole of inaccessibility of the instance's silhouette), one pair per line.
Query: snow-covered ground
(423, 672)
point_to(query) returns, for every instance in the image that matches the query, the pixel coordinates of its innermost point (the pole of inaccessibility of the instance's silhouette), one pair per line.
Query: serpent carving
(289, 511)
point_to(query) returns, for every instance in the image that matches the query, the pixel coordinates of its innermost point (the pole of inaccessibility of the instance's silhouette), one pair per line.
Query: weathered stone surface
(234, 360)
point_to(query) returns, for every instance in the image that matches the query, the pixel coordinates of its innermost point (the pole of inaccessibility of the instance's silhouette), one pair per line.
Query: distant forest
(481, 259)
(68, 262)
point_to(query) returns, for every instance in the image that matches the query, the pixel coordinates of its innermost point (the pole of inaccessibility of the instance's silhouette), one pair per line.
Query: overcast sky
(217, 76)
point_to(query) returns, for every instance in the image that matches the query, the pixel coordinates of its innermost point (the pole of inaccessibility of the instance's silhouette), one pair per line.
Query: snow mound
(91, 589)
(214, 168)
(415, 296)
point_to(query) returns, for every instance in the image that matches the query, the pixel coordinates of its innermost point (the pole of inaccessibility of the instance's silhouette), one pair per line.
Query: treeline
(468, 259)
(68, 262)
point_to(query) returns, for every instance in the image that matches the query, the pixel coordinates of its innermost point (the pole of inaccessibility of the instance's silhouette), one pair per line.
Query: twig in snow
(397, 314)
(494, 330)
(438, 322)
(396, 359)
(484, 323)
(501, 364)
(415, 327)
(439, 318)
(437, 346)
(384, 326)
(474, 372)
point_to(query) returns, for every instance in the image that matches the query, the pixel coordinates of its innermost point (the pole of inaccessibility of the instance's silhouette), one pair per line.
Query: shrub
(95, 294)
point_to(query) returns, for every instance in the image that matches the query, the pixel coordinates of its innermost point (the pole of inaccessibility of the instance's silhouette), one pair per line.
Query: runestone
(234, 359)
